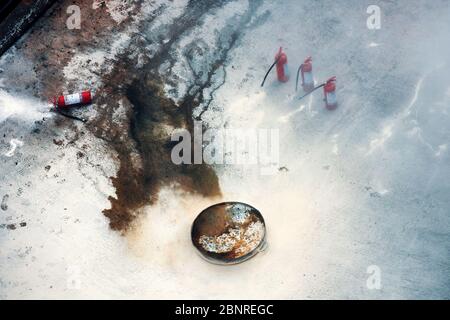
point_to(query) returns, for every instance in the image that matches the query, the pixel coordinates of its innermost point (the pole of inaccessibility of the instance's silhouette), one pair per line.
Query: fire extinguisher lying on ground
(282, 68)
(64, 102)
(329, 91)
(307, 75)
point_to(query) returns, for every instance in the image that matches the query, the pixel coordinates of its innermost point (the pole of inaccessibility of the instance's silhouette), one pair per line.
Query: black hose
(69, 116)
(271, 67)
(306, 94)
(298, 73)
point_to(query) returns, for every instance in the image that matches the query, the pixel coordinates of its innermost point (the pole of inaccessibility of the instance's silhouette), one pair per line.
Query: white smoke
(23, 108)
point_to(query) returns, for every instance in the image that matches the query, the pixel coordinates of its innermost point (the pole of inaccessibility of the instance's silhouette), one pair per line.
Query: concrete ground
(357, 206)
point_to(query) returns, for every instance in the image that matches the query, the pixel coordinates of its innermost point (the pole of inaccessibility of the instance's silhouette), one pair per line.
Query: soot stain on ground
(143, 142)
(138, 184)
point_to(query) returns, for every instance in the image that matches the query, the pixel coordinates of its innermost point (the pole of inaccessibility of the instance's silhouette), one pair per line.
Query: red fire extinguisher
(64, 101)
(282, 68)
(329, 90)
(307, 75)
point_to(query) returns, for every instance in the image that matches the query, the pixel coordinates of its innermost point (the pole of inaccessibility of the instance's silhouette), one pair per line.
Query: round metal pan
(229, 233)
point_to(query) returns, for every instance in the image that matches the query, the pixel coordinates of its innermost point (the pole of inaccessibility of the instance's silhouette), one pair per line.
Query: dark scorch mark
(4, 204)
(143, 147)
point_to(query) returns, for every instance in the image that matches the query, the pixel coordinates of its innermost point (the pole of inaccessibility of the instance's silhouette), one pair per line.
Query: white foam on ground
(86, 68)
(14, 144)
(119, 10)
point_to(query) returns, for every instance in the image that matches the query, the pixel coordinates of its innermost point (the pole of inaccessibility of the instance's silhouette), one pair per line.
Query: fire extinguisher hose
(268, 71)
(307, 94)
(69, 116)
(298, 73)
